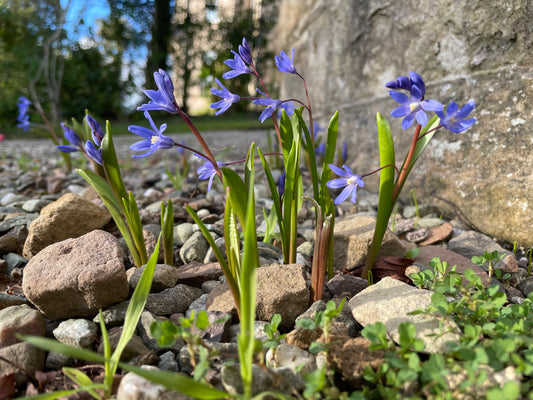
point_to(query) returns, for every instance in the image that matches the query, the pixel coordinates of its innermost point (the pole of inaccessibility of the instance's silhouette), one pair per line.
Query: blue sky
(89, 10)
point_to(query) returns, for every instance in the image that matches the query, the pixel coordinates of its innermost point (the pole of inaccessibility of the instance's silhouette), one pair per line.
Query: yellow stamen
(413, 106)
(154, 140)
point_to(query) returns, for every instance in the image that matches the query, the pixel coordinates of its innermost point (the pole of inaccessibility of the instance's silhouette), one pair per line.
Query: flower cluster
(23, 118)
(411, 107)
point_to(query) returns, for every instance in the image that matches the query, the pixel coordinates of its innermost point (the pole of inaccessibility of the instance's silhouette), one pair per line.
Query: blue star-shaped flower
(207, 170)
(96, 130)
(348, 180)
(23, 119)
(93, 152)
(153, 138)
(414, 106)
(162, 98)
(284, 63)
(271, 104)
(237, 66)
(76, 143)
(454, 120)
(228, 98)
(245, 52)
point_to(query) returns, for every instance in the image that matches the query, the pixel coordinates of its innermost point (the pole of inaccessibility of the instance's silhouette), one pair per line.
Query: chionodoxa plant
(296, 132)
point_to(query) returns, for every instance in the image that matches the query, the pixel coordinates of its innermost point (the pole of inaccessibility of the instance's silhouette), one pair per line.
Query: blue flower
(237, 65)
(162, 98)
(271, 104)
(414, 106)
(344, 153)
(455, 120)
(227, 98)
(73, 138)
(288, 106)
(281, 184)
(405, 83)
(348, 180)
(320, 151)
(23, 119)
(93, 152)
(153, 138)
(207, 171)
(96, 130)
(284, 63)
(245, 52)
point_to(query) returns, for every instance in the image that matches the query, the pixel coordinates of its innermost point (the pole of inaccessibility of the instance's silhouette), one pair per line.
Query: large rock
(77, 277)
(352, 237)
(464, 50)
(390, 301)
(281, 289)
(69, 217)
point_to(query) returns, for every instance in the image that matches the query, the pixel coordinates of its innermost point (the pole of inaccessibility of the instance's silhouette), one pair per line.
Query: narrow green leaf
(62, 393)
(82, 380)
(311, 154)
(111, 166)
(178, 382)
(250, 262)
(137, 303)
(167, 227)
(239, 196)
(386, 188)
(209, 238)
(273, 191)
(328, 208)
(285, 127)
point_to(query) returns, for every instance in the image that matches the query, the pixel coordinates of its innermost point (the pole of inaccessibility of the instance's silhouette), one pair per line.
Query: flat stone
(76, 332)
(437, 234)
(165, 276)
(390, 301)
(194, 274)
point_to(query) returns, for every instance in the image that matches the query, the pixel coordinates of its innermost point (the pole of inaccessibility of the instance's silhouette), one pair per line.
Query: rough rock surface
(69, 217)
(464, 50)
(352, 238)
(77, 277)
(281, 289)
(390, 301)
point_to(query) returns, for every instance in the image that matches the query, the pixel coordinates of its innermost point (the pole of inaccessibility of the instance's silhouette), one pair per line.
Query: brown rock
(195, 273)
(437, 234)
(19, 319)
(77, 277)
(352, 238)
(427, 253)
(281, 289)
(68, 217)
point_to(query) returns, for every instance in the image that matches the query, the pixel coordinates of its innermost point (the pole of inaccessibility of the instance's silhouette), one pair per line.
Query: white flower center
(154, 139)
(352, 180)
(413, 106)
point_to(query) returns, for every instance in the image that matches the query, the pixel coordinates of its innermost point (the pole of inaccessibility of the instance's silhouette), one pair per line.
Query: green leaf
(331, 144)
(247, 279)
(177, 382)
(310, 150)
(316, 347)
(386, 189)
(273, 191)
(111, 165)
(82, 380)
(167, 227)
(238, 194)
(202, 320)
(165, 332)
(62, 393)
(137, 303)
(306, 323)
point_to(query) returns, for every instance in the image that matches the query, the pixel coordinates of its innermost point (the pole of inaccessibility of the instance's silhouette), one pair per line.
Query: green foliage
(271, 330)
(493, 334)
(167, 230)
(490, 258)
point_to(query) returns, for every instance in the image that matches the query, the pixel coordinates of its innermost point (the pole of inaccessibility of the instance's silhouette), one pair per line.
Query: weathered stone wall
(464, 49)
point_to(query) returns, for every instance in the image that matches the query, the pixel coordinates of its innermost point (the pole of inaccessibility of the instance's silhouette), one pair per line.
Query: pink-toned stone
(68, 217)
(437, 234)
(77, 277)
(281, 289)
